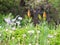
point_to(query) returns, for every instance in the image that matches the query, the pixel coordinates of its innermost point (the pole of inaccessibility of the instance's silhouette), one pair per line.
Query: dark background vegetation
(14, 7)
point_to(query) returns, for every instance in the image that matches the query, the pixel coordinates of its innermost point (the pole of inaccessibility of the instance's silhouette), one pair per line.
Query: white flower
(0, 34)
(31, 31)
(18, 22)
(13, 28)
(30, 44)
(38, 31)
(13, 38)
(6, 29)
(13, 20)
(20, 18)
(24, 35)
(50, 36)
(7, 20)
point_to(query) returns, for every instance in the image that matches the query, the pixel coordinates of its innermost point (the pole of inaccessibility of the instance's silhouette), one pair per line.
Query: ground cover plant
(25, 33)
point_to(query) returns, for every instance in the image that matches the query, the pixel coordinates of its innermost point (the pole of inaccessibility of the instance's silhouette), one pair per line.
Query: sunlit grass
(28, 34)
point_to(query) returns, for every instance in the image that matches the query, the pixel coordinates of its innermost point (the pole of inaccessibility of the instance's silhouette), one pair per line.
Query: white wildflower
(50, 36)
(7, 20)
(13, 20)
(13, 38)
(20, 18)
(30, 44)
(18, 22)
(31, 31)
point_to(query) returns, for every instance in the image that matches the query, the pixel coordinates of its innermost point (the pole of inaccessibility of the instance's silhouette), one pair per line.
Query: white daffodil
(20, 18)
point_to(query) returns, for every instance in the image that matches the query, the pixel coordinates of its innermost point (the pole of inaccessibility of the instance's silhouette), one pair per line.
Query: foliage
(7, 6)
(29, 34)
(26, 33)
(55, 4)
(33, 3)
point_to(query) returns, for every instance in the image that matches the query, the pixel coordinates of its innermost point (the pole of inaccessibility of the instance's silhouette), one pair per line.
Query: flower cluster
(13, 22)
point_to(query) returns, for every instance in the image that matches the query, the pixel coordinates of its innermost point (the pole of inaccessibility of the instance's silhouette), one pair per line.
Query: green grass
(27, 34)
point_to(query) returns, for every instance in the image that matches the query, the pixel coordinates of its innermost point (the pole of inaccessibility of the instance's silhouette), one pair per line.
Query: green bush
(7, 6)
